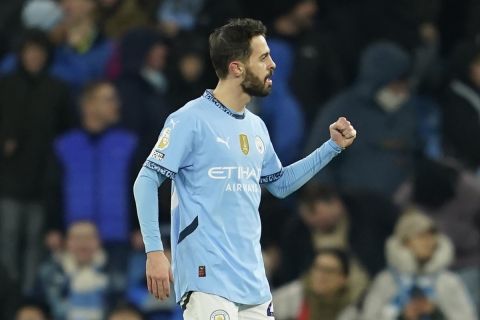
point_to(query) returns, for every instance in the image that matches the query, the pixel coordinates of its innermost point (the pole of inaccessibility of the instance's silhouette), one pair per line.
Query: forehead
(259, 46)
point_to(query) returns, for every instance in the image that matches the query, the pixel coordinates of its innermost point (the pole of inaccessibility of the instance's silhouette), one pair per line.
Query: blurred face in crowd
(323, 215)
(423, 245)
(102, 105)
(157, 57)
(304, 14)
(77, 10)
(259, 68)
(475, 72)
(34, 58)
(125, 315)
(191, 67)
(83, 242)
(392, 96)
(30, 313)
(327, 275)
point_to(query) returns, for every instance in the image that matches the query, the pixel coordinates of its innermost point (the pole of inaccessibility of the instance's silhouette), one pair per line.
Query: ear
(236, 68)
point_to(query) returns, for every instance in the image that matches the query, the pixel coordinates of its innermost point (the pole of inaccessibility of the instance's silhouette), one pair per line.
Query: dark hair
(434, 183)
(342, 256)
(38, 38)
(35, 304)
(91, 87)
(232, 42)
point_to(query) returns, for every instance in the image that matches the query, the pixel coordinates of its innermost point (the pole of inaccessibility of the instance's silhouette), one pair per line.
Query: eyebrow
(264, 55)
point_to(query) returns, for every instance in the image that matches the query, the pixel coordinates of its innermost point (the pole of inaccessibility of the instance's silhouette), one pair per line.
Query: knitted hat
(412, 223)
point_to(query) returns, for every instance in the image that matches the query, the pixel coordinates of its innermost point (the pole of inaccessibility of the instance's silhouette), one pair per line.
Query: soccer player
(218, 154)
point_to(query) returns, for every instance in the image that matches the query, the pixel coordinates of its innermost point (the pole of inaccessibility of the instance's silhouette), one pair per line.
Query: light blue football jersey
(217, 160)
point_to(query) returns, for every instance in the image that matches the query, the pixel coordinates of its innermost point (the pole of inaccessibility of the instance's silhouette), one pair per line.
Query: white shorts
(204, 306)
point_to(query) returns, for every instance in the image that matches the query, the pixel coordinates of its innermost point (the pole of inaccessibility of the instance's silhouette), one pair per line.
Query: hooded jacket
(383, 153)
(33, 110)
(461, 108)
(391, 289)
(144, 109)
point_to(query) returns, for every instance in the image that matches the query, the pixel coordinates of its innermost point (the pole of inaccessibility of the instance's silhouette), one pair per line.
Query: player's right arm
(158, 272)
(170, 153)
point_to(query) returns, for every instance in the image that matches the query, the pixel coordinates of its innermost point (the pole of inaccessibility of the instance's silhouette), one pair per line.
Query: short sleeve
(272, 167)
(174, 145)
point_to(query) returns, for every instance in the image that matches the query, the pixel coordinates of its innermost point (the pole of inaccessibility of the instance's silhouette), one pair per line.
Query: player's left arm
(292, 177)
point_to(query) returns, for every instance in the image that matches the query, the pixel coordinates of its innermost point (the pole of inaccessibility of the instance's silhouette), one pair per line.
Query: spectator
(462, 106)
(33, 109)
(417, 284)
(359, 223)
(281, 109)
(380, 106)
(315, 73)
(76, 285)
(119, 16)
(84, 54)
(95, 163)
(143, 86)
(189, 76)
(451, 196)
(324, 293)
(31, 310)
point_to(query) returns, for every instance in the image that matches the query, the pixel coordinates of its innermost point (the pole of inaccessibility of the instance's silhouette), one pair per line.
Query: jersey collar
(208, 94)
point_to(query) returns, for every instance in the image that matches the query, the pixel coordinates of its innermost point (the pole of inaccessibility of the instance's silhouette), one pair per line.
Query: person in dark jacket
(96, 174)
(359, 223)
(461, 107)
(143, 86)
(33, 109)
(380, 102)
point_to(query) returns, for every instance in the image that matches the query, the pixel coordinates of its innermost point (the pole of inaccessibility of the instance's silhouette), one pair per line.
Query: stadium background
(86, 86)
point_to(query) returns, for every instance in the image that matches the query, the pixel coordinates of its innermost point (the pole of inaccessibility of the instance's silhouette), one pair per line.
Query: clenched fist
(342, 132)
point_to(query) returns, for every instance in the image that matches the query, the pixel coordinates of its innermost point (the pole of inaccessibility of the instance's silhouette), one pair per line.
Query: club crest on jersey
(164, 139)
(219, 315)
(260, 145)
(244, 144)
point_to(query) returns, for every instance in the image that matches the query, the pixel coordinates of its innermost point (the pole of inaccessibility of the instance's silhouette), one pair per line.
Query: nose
(273, 66)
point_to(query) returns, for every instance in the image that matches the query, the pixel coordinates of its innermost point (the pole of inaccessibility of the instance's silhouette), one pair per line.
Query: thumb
(170, 273)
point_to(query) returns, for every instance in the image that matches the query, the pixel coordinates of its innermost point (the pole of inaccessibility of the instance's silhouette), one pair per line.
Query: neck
(94, 125)
(231, 95)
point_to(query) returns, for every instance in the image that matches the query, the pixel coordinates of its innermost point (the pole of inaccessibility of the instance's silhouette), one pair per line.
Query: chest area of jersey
(236, 149)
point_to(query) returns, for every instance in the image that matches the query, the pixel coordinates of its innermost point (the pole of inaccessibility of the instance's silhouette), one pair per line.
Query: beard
(254, 86)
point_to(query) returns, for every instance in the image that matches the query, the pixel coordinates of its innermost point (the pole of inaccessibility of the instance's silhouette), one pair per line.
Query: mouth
(268, 80)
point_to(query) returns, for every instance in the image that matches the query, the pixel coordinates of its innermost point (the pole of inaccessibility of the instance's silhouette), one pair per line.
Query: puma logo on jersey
(225, 142)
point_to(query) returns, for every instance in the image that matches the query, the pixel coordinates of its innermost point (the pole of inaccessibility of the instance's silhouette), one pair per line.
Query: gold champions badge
(244, 144)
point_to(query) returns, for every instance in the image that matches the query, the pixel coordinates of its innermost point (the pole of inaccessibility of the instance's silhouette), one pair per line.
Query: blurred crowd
(389, 230)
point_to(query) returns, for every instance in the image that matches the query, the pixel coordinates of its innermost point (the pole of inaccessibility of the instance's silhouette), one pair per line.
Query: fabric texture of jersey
(217, 160)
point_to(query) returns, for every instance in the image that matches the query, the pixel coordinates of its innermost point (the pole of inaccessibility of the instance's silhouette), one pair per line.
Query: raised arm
(296, 175)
